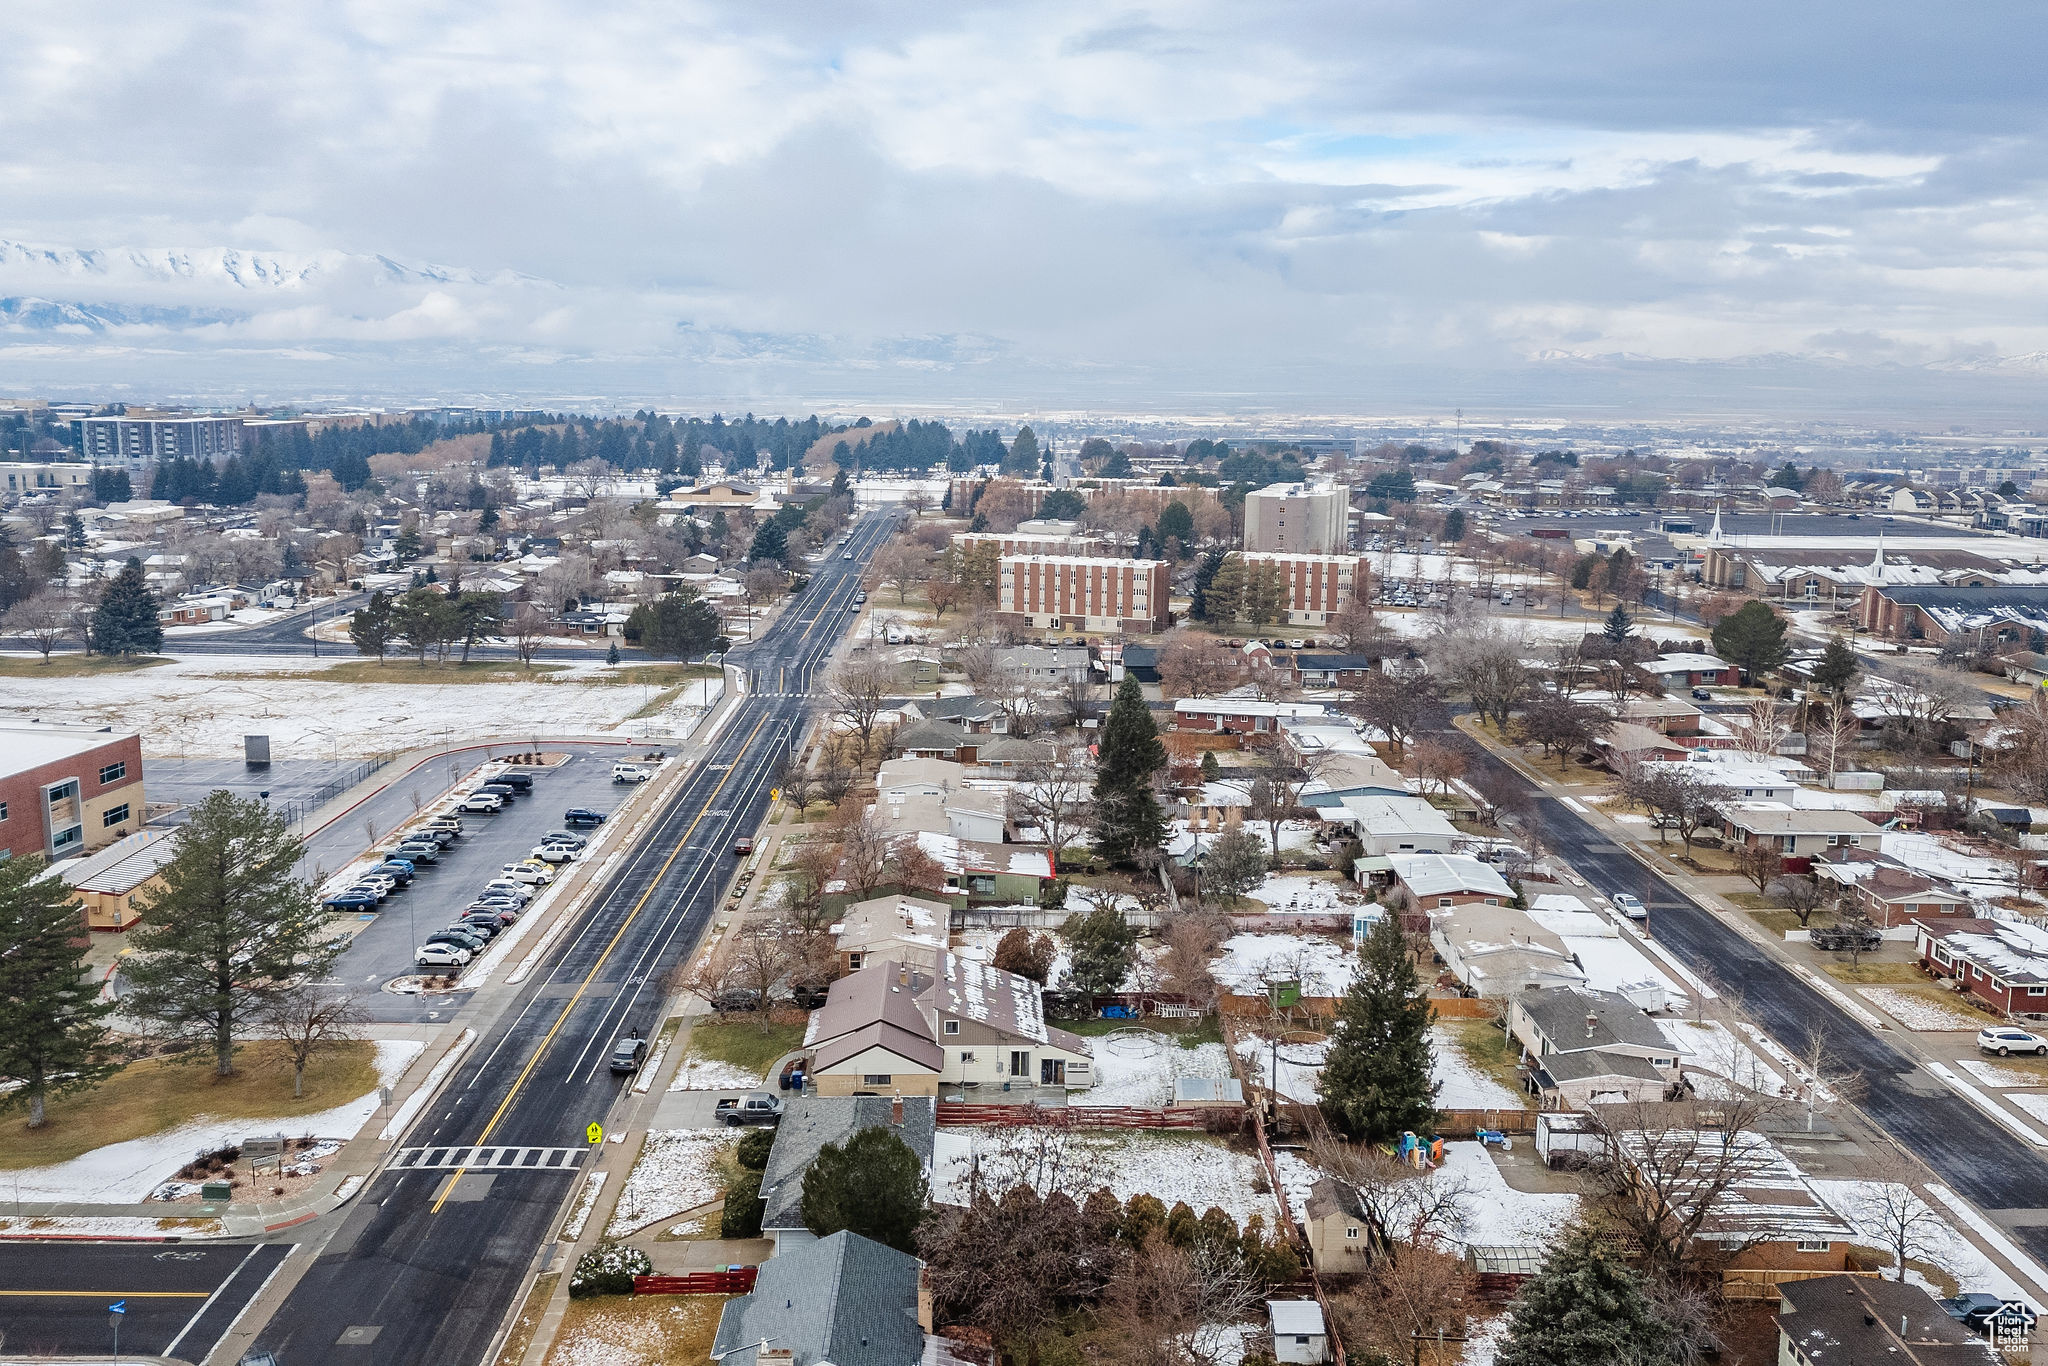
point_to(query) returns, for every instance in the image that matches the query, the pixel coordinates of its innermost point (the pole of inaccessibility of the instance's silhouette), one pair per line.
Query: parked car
(522, 783)
(506, 886)
(2003, 1039)
(628, 1054)
(630, 773)
(528, 872)
(380, 883)
(398, 870)
(554, 853)
(744, 845)
(1702, 695)
(485, 803)
(582, 815)
(504, 792)
(756, 1108)
(477, 928)
(1631, 906)
(1978, 1311)
(419, 851)
(450, 826)
(354, 899)
(460, 937)
(565, 837)
(432, 955)
(1297, 645)
(736, 999)
(860, 597)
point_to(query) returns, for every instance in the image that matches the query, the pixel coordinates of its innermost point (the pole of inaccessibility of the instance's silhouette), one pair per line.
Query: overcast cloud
(1183, 206)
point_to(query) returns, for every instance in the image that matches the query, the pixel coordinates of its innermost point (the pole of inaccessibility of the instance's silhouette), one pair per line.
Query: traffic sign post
(115, 1313)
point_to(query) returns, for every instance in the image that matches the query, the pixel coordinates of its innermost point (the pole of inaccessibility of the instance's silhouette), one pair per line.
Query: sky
(1195, 207)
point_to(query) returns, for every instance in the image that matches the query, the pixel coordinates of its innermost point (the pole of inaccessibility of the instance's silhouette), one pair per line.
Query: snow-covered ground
(1918, 1012)
(1861, 1203)
(1139, 1069)
(2033, 1104)
(1325, 967)
(1461, 1086)
(1711, 1049)
(189, 708)
(126, 1173)
(1995, 1074)
(1299, 892)
(1977, 874)
(709, 1074)
(1188, 1168)
(1495, 1213)
(1300, 1066)
(674, 1174)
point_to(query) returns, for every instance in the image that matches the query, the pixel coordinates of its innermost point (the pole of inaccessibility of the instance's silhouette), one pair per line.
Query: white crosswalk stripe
(489, 1159)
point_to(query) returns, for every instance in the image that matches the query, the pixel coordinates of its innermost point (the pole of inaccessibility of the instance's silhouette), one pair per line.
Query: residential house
(843, 1300)
(1143, 661)
(113, 885)
(889, 1029)
(1626, 743)
(2002, 963)
(1497, 951)
(1047, 668)
(968, 813)
(1665, 715)
(1318, 670)
(1299, 1335)
(811, 1121)
(936, 740)
(1586, 1047)
(1239, 715)
(1339, 1234)
(1886, 890)
(919, 777)
(1439, 882)
(1004, 756)
(2025, 666)
(1857, 1320)
(1797, 835)
(1394, 825)
(980, 871)
(896, 928)
(975, 715)
(1763, 1224)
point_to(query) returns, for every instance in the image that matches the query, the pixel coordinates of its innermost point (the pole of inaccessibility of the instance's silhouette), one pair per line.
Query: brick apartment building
(1318, 586)
(66, 789)
(1083, 593)
(1033, 543)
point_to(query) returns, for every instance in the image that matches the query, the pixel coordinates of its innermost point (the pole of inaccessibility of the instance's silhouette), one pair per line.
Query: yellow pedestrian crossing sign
(774, 794)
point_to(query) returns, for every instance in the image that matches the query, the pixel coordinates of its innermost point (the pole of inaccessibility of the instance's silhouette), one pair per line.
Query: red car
(743, 846)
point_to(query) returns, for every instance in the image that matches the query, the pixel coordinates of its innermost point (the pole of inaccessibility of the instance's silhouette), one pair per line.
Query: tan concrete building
(1298, 519)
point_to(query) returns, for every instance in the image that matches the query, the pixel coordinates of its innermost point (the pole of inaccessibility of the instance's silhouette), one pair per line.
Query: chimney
(1592, 1023)
(774, 1356)
(896, 1110)
(902, 974)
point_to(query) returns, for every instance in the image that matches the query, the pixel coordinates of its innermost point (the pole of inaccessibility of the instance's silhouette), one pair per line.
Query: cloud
(1044, 203)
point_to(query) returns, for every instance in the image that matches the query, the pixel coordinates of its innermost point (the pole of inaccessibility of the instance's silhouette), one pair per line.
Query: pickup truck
(757, 1107)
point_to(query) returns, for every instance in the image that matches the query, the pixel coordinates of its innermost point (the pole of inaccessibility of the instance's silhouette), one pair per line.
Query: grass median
(160, 1094)
(74, 666)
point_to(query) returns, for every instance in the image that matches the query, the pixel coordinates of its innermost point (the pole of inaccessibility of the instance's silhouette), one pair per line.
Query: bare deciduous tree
(1166, 1303)
(43, 619)
(1058, 798)
(1436, 765)
(309, 1020)
(859, 691)
(529, 628)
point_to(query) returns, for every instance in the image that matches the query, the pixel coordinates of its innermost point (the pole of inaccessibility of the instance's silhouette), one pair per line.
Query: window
(2037, 991)
(1813, 1245)
(1020, 1064)
(114, 773)
(853, 962)
(952, 1026)
(3, 811)
(967, 1055)
(114, 816)
(1443, 902)
(1351, 1231)
(875, 1079)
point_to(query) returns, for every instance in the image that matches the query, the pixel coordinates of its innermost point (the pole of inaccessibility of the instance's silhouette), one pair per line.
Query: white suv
(630, 773)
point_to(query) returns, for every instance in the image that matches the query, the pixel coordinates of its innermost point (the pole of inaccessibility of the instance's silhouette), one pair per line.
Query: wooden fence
(970, 1115)
(738, 1282)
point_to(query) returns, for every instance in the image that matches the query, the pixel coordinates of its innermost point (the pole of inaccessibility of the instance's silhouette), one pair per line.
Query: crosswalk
(489, 1159)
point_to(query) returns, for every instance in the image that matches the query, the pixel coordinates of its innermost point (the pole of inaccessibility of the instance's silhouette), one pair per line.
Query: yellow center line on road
(109, 1294)
(538, 1053)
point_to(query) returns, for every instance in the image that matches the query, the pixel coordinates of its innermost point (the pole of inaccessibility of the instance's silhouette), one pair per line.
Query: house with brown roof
(896, 928)
(1796, 834)
(1886, 890)
(1855, 1320)
(893, 1029)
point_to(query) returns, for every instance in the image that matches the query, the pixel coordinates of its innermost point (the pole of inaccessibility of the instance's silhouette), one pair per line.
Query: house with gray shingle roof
(844, 1300)
(809, 1122)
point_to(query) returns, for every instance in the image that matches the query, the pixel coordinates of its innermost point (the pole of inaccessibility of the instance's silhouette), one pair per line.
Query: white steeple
(1877, 560)
(1714, 536)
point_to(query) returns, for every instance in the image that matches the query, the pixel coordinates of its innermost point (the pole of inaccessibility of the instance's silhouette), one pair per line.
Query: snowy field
(188, 708)
(1140, 1069)
(674, 1174)
(1299, 892)
(1460, 1085)
(1495, 1214)
(709, 1074)
(1325, 967)
(1918, 1012)
(1300, 1066)
(1188, 1168)
(126, 1173)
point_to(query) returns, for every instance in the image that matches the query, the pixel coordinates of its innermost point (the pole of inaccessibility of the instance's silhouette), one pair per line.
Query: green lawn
(74, 666)
(1486, 1048)
(744, 1043)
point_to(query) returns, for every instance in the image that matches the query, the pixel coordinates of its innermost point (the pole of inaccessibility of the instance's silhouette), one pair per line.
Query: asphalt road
(430, 1259)
(179, 1301)
(1970, 1152)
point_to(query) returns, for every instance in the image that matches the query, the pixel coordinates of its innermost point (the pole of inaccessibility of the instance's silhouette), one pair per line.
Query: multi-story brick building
(1314, 587)
(1298, 519)
(1024, 543)
(1083, 593)
(66, 789)
(133, 442)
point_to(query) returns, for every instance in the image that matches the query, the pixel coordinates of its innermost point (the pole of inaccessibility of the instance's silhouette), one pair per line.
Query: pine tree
(611, 653)
(1376, 1082)
(125, 622)
(771, 542)
(1127, 816)
(1584, 1309)
(1837, 668)
(1022, 460)
(230, 929)
(1102, 945)
(369, 627)
(1454, 526)
(1620, 626)
(1211, 770)
(1752, 639)
(53, 1038)
(872, 1184)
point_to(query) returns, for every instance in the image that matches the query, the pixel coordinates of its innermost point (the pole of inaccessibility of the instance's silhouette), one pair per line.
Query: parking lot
(177, 1301)
(383, 948)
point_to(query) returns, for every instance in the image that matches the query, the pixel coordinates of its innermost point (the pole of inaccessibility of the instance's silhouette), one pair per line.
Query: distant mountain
(231, 267)
(31, 314)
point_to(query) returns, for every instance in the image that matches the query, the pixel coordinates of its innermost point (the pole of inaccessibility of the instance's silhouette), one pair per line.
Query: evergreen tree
(1101, 945)
(477, 617)
(1454, 526)
(1022, 460)
(1620, 626)
(1752, 639)
(74, 530)
(839, 482)
(611, 653)
(1837, 668)
(1205, 577)
(678, 626)
(1211, 770)
(230, 930)
(1178, 524)
(53, 1038)
(1584, 1309)
(125, 622)
(1377, 1082)
(111, 485)
(771, 542)
(872, 1184)
(369, 627)
(1127, 816)
(1117, 466)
